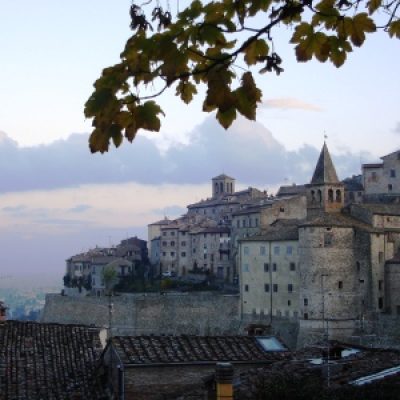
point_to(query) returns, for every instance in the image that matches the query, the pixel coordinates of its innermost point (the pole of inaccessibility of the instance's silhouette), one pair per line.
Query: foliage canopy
(217, 44)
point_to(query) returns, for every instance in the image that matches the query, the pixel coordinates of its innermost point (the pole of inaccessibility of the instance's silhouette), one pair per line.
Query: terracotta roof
(324, 171)
(147, 350)
(48, 361)
(340, 220)
(376, 165)
(280, 230)
(291, 190)
(223, 176)
(382, 209)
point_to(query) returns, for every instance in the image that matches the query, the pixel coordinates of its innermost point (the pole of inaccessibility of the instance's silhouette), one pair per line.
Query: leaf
(255, 50)
(147, 116)
(226, 118)
(98, 141)
(186, 90)
(338, 50)
(394, 29)
(373, 5)
(361, 24)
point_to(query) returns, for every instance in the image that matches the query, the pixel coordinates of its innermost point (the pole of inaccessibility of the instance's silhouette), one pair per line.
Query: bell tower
(325, 193)
(222, 185)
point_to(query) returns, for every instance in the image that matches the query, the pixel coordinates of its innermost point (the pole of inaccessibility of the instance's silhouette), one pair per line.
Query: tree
(214, 44)
(110, 278)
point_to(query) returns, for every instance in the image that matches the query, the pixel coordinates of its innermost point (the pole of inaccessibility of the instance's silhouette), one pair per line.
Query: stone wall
(140, 314)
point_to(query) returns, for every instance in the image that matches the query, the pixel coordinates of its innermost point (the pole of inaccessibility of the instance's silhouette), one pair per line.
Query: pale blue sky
(57, 199)
(51, 53)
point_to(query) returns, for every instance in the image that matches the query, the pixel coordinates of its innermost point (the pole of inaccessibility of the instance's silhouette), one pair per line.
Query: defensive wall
(143, 314)
(208, 314)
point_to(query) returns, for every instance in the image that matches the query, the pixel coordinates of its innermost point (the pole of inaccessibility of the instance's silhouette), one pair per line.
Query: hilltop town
(246, 289)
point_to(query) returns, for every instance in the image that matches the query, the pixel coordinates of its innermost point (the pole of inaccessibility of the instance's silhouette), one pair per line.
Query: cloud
(290, 103)
(397, 128)
(248, 151)
(80, 208)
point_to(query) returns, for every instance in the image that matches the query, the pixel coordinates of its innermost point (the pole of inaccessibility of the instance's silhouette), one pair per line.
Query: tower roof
(223, 176)
(324, 171)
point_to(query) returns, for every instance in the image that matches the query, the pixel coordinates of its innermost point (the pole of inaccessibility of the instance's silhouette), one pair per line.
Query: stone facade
(383, 178)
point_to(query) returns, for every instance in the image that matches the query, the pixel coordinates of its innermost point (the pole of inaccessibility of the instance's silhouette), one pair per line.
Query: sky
(56, 199)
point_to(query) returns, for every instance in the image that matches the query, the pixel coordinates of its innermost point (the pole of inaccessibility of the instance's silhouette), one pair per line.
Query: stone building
(160, 367)
(382, 178)
(345, 261)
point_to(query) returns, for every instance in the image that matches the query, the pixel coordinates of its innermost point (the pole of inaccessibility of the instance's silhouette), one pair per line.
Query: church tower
(325, 193)
(222, 185)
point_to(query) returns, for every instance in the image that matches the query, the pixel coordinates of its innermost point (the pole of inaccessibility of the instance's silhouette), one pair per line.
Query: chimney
(224, 380)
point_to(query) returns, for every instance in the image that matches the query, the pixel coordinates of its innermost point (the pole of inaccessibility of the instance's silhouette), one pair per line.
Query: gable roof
(324, 171)
(48, 361)
(156, 350)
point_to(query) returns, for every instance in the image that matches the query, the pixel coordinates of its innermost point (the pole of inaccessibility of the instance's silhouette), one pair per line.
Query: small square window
(340, 285)
(183, 254)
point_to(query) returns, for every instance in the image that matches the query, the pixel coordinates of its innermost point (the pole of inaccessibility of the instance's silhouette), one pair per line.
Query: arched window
(320, 196)
(338, 196)
(330, 195)
(216, 187)
(312, 196)
(221, 187)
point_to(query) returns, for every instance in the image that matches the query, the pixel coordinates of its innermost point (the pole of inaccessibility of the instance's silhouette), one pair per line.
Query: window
(238, 223)
(246, 267)
(390, 187)
(266, 267)
(290, 287)
(172, 243)
(164, 253)
(246, 288)
(380, 303)
(194, 251)
(328, 239)
(266, 287)
(274, 267)
(361, 281)
(292, 266)
(289, 250)
(330, 195)
(164, 233)
(338, 196)
(373, 176)
(380, 256)
(183, 243)
(183, 254)
(246, 251)
(289, 303)
(275, 287)
(393, 173)
(305, 315)
(306, 302)
(281, 209)
(256, 221)
(183, 233)
(262, 251)
(340, 285)
(205, 256)
(276, 250)
(244, 223)
(358, 266)
(172, 254)
(380, 285)
(172, 233)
